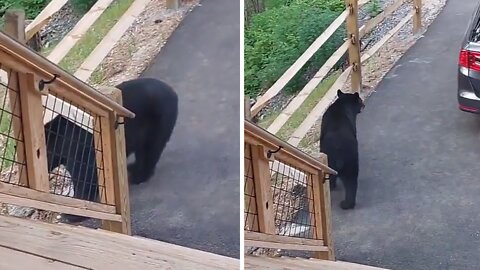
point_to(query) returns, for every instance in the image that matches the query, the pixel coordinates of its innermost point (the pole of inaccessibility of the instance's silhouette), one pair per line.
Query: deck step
(289, 263)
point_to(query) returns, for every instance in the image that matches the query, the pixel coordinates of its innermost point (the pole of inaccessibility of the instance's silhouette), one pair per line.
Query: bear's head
(353, 100)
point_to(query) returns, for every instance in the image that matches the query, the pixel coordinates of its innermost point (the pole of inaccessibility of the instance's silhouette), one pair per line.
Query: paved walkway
(193, 199)
(419, 194)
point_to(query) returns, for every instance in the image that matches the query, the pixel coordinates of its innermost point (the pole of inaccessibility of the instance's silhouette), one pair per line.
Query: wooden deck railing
(287, 196)
(31, 153)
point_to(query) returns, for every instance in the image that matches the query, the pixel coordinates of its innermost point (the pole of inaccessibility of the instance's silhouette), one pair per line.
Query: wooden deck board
(287, 263)
(99, 249)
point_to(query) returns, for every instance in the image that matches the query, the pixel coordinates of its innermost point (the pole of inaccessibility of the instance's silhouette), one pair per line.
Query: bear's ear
(357, 95)
(340, 93)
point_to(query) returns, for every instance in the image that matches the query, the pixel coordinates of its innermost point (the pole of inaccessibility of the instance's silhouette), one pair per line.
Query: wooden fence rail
(31, 152)
(352, 45)
(282, 211)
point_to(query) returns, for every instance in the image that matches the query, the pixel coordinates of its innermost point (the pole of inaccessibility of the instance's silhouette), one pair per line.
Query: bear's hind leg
(350, 182)
(154, 149)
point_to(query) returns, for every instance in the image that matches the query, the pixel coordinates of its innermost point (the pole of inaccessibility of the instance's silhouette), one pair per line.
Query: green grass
(94, 35)
(374, 8)
(268, 119)
(299, 116)
(8, 149)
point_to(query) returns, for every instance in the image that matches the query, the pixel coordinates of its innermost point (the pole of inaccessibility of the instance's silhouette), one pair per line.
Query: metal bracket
(270, 152)
(350, 8)
(353, 39)
(118, 123)
(42, 83)
(354, 66)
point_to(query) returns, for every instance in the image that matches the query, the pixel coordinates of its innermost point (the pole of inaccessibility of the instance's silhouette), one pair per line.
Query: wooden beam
(108, 42)
(46, 197)
(34, 132)
(118, 185)
(319, 109)
(331, 94)
(288, 153)
(377, 46)
(14, 55)
(314, 189)
(354, 48)
(250, 200)
(14, 27)
(255, 236)
(293, 69)
(76, 34)
(246, 106)
(373, 22)
(263, 190)
(18, 260)
(28, 202)
(298, 100)
(326, 213)
(301, 96)
(417, 18)
(99, 249)
(43, 18)
(266, 244)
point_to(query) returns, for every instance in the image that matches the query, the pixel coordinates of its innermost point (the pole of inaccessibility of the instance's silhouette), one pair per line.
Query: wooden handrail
(46, 69)
(271, 141)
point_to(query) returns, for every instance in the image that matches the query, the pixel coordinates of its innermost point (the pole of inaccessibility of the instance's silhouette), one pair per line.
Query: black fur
(338, 139)
(155, 105)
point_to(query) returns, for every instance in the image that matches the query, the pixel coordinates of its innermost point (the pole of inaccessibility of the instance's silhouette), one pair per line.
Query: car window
(475, 37)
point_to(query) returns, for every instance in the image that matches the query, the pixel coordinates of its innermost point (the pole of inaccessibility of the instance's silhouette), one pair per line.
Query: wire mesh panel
(293, 201)
(250, 213)
(73, 141)
(74, 150)
(12, 157)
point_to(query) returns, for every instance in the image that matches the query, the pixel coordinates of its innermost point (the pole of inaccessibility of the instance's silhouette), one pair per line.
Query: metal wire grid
(70, 144)
(12, 165)
(71, 150)
(293, 201)
(250, 212)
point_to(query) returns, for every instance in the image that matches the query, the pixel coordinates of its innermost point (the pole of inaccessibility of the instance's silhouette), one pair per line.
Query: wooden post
(120, 175)
(15, 27)
(263, 190)
(247, 113)
(34, 133)
(417, 16)
(249, 200)
(354, 47)
(326, 218)
(314, 191)
(173, 4)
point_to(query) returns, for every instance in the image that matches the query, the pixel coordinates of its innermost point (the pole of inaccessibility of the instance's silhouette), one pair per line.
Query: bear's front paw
(347, 205)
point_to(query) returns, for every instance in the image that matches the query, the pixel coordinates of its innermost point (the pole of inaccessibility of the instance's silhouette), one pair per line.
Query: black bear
(155, 105)
(338, 139)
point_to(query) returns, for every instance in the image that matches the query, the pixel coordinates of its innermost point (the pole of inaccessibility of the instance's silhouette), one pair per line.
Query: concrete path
(194, 198)
(419, 194)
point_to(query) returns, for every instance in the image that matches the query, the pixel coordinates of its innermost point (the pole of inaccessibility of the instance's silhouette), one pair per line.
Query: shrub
(333, 5)
(277, 37)
(82, 6)
(31, 7)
